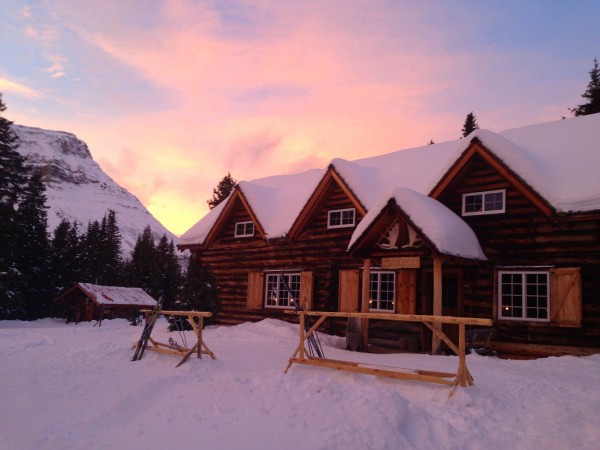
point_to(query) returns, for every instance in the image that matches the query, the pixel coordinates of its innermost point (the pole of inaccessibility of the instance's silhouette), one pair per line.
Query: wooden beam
(399, 317)
(366, 282)
(437, 331)
(351, 367)
(461, 378)
(437, 303)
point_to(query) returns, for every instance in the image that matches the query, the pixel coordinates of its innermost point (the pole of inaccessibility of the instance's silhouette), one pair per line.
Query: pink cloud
(263, 88)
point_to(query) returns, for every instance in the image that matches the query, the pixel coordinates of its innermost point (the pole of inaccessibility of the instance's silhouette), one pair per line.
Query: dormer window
(244, 229)
(480, 203)
(341, 218)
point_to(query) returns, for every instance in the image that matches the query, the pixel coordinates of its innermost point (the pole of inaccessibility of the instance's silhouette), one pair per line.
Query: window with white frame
(282, 290)
(523, 295)
(244, 229)
(382, 291)
(480, 203)
(341, 218)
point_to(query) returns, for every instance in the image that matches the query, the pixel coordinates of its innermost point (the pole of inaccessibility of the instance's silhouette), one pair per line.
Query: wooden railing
(462, 377)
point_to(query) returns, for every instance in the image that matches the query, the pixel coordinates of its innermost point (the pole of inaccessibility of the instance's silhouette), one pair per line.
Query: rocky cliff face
(78, 189)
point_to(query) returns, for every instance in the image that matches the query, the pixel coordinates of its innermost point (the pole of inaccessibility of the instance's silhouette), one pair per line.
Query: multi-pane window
(479, 203)
(382, 291)
(523, 295)
(282, 290)
(341, 218)
(244, 229)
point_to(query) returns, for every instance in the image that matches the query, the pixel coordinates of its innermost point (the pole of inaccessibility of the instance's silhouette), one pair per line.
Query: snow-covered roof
(114, 295)
(447, 232)
(559, 159)
(276, 201)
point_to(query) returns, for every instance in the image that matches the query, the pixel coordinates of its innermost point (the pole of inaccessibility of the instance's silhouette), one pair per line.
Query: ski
(314, 346)
(143, 341)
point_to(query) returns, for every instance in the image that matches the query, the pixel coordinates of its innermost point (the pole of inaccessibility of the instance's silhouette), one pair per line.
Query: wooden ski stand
(462, 377)
(199, 347)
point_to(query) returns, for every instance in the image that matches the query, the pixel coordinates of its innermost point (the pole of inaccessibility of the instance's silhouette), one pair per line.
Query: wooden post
(462, 360)
(366, 285)
(437, 302)
(302, 325)
(199, 336)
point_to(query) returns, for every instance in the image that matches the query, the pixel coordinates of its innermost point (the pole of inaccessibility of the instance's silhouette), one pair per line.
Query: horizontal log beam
(399, 317)
(181, 313)
(352, 367)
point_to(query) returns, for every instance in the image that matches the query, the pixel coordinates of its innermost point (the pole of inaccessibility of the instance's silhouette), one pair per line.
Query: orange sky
(171, 97)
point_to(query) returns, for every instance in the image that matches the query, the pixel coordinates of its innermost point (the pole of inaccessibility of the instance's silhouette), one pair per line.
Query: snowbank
(74, 386)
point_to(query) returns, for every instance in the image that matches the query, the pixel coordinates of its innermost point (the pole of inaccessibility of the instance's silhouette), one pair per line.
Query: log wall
(524, 236)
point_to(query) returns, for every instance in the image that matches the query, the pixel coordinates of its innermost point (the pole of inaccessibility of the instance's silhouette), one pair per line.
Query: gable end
(236, 200)
(476, 148)
(317, 198)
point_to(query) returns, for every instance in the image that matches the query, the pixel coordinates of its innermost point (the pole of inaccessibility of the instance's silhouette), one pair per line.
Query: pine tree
(200, 291)
(90, 253)
(470, 125)
(101, 252)
(592, 94)
(12, 172)
(34, 250)
(141, 269)
(111, 262)
(65, 256)
(169, 272)
(13, 178)
(222, 191)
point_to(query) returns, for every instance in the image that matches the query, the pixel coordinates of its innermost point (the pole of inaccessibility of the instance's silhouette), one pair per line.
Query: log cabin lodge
(507, 224)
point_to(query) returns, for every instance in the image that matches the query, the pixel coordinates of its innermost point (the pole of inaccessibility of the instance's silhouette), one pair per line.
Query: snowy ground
(74, 387)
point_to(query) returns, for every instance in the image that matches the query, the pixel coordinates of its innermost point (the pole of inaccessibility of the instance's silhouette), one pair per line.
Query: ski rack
(200, 347)
(151, 318)
(314, 345)
(462, 377)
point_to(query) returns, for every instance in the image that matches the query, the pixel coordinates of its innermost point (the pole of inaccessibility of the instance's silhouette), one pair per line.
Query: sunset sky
(172, 95)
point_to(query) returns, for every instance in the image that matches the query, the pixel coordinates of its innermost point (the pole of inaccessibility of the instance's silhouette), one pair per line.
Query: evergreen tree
(90, 253)
(470, 125)
(12, 185)
(222, 191)
(592, 94)
(34, 250)
(110, 259)
(199, 291)
(169, 272)
(65, 256)
(142, 269)
(101, 252)
(12, 171)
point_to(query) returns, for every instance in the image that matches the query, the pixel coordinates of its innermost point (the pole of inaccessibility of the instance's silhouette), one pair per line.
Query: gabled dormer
(331, 209)
(411, 224)
(481, 184)
(237, 223)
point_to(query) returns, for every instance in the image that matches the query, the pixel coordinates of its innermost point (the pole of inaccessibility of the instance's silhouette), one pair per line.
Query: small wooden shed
(85, 302)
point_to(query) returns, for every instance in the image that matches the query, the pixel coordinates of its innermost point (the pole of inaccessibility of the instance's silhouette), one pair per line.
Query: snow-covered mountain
(78, 189)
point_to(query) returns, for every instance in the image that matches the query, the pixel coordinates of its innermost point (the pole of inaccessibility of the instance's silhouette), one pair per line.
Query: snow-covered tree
(33, 260)
(13, 179)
